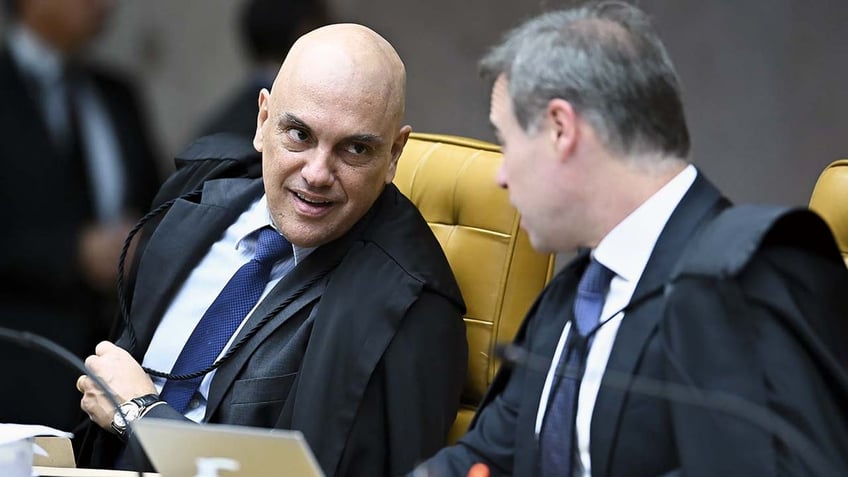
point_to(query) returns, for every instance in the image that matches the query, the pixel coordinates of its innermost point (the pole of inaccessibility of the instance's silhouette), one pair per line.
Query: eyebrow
(290, 119)
(370, 139)
(373, 140)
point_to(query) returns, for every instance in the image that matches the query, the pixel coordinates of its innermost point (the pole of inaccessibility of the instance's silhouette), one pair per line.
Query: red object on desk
(478, 470)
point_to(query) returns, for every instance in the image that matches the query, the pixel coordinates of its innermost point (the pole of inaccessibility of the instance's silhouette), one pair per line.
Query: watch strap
(145, 401)
(150, 407)
(142, 403)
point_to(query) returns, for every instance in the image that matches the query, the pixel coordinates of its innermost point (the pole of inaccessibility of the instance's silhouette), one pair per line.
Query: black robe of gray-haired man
(759, 286)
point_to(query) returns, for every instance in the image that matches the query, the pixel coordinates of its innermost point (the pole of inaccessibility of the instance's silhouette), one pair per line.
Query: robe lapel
(702, 202)
(544, 328)
(180, 241)
(553, 313)
(302, 286)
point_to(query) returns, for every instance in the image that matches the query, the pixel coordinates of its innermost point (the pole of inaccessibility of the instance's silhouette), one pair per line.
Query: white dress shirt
(235, 248)
(625, 250)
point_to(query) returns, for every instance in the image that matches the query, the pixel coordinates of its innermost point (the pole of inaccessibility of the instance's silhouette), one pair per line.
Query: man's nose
(318, 169)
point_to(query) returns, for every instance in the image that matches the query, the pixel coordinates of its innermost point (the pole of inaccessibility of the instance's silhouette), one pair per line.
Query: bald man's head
(330, 131)
(347, 57)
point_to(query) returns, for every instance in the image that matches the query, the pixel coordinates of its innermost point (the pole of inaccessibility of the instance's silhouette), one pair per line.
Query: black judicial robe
(755, 332)
(367, 357)
(731, 359)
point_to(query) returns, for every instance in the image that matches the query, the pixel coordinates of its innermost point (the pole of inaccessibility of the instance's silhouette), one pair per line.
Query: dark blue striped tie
(557, 436)
(223, 317)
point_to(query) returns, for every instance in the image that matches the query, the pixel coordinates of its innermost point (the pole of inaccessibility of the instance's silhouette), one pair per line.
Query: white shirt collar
(258, 216)
(627, 247)
(33, 55)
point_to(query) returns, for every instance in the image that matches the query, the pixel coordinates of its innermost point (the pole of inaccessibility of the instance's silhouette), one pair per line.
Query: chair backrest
(830, 200)
(452, 181)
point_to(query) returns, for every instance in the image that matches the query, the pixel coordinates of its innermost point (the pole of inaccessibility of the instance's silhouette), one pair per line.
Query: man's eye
(356, 148)
(297, 134)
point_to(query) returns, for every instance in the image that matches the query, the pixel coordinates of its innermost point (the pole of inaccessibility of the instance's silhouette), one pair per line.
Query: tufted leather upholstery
(830, 200)
(452, 181)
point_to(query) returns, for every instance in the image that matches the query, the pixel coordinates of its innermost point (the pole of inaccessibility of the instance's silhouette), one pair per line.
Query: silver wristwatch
(131, 410)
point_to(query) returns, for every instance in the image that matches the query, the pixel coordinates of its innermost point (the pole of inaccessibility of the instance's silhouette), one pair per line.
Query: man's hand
(99, 248)
(121, 373)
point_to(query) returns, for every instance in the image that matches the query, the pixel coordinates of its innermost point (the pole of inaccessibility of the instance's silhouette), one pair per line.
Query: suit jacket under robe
(367, 357)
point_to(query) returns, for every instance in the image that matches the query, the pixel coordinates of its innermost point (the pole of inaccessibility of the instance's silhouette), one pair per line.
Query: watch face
(130, 410)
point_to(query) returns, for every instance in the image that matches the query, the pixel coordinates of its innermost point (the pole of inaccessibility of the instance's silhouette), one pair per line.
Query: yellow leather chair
(452, 181)
(830, 200)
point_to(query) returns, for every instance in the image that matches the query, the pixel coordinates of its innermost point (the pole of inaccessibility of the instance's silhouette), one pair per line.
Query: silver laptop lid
(185, 449)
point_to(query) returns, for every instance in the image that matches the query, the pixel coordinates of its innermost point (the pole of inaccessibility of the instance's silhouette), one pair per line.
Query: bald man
(354, 337)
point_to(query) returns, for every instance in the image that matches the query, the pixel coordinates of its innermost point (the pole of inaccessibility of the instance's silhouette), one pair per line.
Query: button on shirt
(200, 289)
(625, 250)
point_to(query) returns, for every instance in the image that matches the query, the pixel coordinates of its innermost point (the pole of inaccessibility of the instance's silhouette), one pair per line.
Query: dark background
(764, 80)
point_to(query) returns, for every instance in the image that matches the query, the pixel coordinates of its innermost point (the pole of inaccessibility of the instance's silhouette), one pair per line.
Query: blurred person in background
(78, 168)
(268, 29)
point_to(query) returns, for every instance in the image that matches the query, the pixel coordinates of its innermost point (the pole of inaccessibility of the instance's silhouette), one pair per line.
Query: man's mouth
(312, 206)
(312, 201)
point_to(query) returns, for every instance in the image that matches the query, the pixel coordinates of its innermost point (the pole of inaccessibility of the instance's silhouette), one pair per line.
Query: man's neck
(634, 180)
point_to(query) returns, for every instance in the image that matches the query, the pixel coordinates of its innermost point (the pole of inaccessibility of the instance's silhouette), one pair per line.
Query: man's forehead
(500, 88)
(340, 80)
(338, 92)
(500, 102)
(339, 68)
(344, 98)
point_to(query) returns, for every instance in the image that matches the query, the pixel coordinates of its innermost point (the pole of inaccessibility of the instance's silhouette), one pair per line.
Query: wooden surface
(59, 452)
(69, 472)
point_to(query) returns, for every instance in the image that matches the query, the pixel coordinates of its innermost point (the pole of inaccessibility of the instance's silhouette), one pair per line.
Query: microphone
(40, 343)
(516, 356)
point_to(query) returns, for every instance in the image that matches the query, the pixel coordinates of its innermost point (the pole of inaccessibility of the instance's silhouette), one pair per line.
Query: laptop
(183, 449)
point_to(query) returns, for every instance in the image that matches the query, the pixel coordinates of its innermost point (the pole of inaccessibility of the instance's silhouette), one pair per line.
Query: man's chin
(539, 244)
(310, 235)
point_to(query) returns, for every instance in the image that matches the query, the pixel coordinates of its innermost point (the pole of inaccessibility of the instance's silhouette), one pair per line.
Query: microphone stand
(40, 343)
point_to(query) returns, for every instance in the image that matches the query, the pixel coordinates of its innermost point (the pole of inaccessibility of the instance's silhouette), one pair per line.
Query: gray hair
(607, 61)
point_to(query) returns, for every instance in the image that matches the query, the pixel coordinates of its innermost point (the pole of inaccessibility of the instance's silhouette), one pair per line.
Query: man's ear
(563, 123)
(397, 149)
(261, 117)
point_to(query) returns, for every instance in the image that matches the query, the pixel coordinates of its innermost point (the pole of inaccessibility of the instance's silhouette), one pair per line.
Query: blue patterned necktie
(557, 436)
(223, 317)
